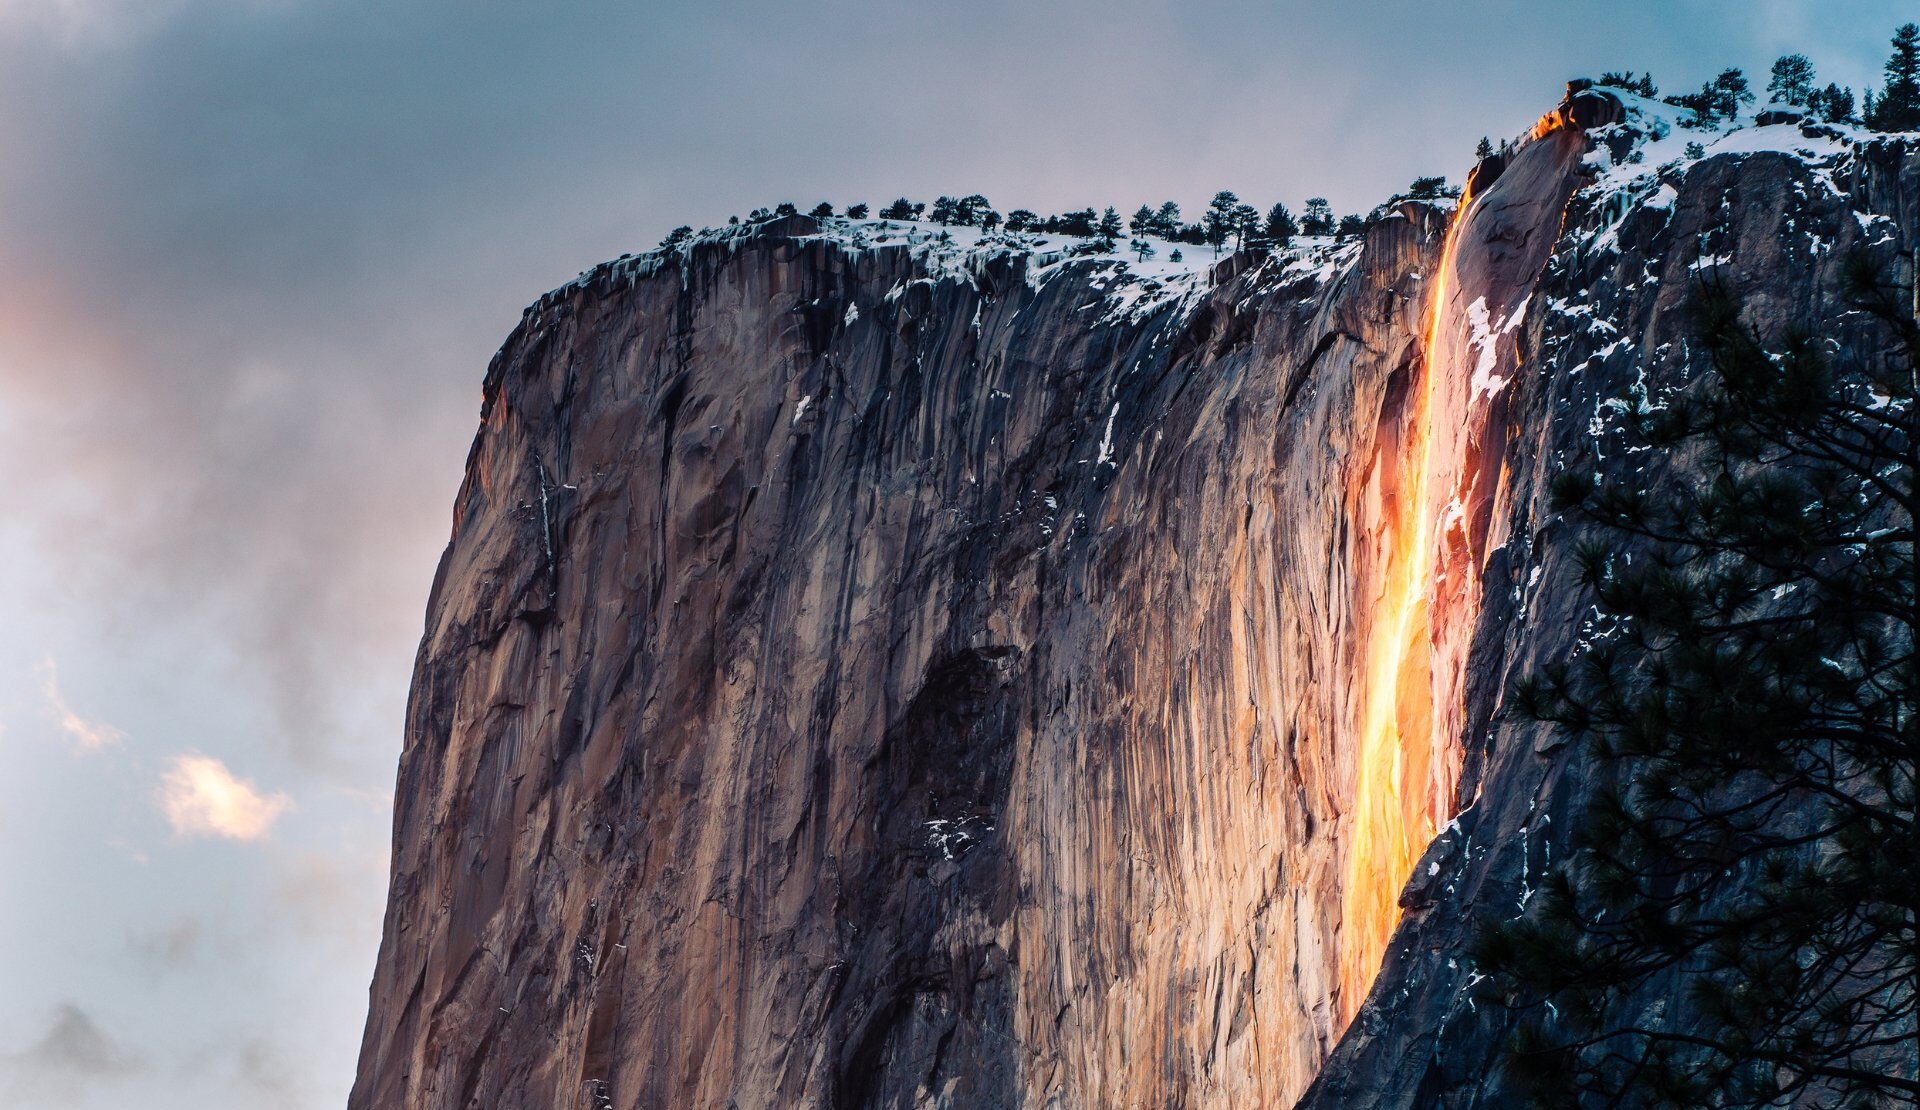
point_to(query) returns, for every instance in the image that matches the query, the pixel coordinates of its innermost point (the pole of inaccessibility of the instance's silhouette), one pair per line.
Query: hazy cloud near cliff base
(72, 1053)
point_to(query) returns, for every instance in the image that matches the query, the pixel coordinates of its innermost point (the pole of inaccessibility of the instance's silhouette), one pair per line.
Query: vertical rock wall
(860, 680)
(933, 691)
(1774, 220)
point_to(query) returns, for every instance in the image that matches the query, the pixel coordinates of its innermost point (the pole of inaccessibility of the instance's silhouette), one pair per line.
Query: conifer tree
(1281, 226)
(856, 211)
(1318, 218)
(1080, 223)
(1142, 221)
(968, 210)
(1640, 85)
(1167, 220)
(1484, 150)
(1897, 108)
(1218, 223)
(1736, 925)
(1729, 92)
(1792, 80)
(821, 211)
(1833, 103)
(1246, 224)
(1109, 226)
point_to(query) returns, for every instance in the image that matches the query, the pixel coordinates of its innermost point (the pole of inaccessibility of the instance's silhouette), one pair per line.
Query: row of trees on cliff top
(1794, 84)
(1736, 924)
(1226, 219)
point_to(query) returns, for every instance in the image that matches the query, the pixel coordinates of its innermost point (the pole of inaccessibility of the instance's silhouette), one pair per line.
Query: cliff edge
(877, 669)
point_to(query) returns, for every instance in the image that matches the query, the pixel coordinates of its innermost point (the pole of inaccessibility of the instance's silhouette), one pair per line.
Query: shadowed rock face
(854, 681)
(1610, 318)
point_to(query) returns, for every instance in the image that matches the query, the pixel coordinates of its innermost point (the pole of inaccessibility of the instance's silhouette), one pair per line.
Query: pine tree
(1833, 103)
(1281, 226)
(1175, 256)
(1729, 92)
(785, 208)
(1020, 219)
(1718, 99)
(945, 210)
(856, 211)
(821, 211)
(1641, 85)
(1246, 224)
(1166, 222)
(1074, 223)
(968, 210)
(902, 209)
(1350, 227)
(1219, 219)
(676, 237)
(1483, 151)
(1898, 106)
(1428, 188)
(1318, 218)
(1142, 248)
(1142, 221)
(1750, 855)
(1839, 105)
(1792, 81)
(1109, 226)
(989, 219)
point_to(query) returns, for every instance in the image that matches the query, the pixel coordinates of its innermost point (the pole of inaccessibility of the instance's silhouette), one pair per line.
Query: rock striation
(869, 670)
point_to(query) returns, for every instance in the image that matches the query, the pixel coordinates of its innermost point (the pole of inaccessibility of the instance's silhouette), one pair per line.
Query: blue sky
(254, 255)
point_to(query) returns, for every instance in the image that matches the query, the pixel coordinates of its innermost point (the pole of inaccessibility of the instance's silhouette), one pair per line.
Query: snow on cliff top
(1659, 138)
(1655, 145)
(1639, 162)
(1133, 286)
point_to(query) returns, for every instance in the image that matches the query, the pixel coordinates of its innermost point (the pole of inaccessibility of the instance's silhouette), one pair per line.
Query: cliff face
(1774, 219)
(867, 673)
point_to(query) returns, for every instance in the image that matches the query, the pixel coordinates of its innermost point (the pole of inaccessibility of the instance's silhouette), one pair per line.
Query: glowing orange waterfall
(1396, 809)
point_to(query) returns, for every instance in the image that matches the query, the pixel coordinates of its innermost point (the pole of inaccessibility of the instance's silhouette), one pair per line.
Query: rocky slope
(876, 671)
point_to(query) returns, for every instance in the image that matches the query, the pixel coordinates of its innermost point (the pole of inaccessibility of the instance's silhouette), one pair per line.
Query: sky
(255, 255)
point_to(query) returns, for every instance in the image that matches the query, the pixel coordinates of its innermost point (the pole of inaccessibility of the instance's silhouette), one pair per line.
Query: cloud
(171, 947)
(76, 1044)
(87, 736)
(267, 1073)
(202, 798)
(73, 1053)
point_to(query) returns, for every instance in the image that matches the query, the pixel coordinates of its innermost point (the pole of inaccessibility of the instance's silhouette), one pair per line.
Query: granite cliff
(873, 669)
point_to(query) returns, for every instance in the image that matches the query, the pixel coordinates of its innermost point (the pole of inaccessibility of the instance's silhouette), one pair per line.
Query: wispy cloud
(72, 1054)
(83, 734)
(202, 798)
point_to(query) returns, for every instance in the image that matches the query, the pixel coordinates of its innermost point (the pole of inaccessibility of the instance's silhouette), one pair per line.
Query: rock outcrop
(867, 672)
